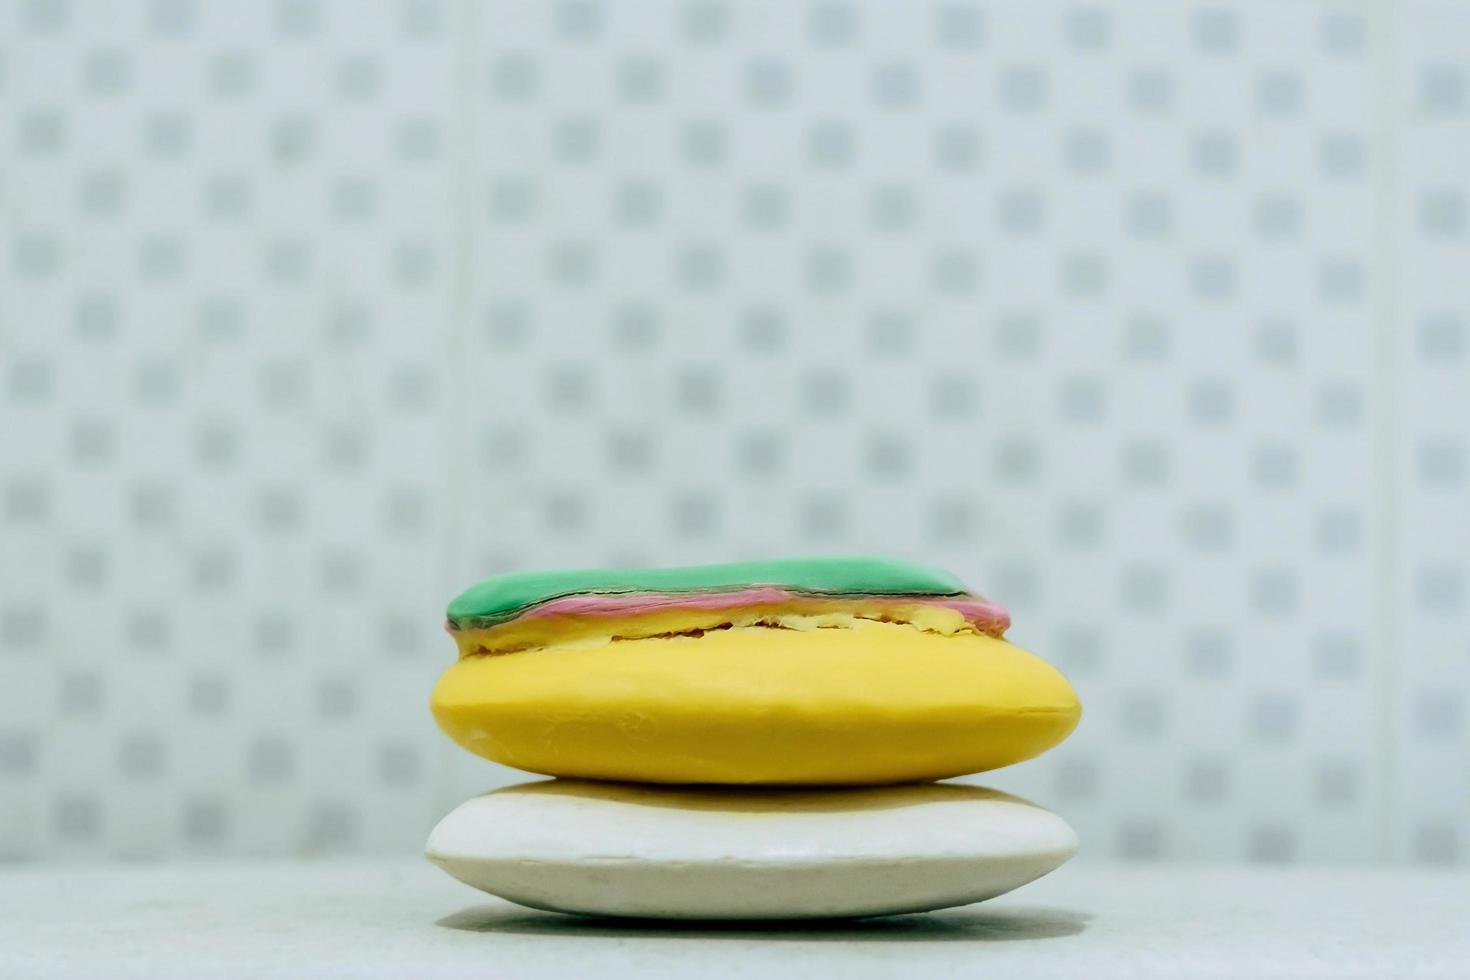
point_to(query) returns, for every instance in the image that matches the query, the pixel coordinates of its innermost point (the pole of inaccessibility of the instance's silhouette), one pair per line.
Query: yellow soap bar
(861, 703)
(801, 614)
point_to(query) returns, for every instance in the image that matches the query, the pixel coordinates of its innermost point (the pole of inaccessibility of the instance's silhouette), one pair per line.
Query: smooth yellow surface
(871, 703)
(533, 633)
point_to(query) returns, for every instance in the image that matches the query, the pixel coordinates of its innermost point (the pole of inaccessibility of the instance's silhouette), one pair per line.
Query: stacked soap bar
(878, 589)
(817, 672)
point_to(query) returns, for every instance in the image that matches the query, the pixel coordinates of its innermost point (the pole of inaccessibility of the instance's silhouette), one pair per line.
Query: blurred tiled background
(1148, 319)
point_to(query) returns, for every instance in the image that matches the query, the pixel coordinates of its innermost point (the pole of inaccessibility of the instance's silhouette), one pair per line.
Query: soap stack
(754, 740)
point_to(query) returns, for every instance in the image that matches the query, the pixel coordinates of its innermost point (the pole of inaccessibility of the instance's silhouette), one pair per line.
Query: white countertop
(407, 919)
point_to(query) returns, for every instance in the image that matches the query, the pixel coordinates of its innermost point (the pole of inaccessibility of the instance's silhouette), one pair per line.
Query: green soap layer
(503, 596)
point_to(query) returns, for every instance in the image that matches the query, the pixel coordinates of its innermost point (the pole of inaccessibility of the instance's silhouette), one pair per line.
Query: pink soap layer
(984, 615)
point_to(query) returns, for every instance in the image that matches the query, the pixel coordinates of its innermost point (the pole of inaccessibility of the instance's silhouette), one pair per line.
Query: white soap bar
(735, 853)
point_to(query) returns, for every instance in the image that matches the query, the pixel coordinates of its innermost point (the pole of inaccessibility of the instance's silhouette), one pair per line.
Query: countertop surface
(406, 919)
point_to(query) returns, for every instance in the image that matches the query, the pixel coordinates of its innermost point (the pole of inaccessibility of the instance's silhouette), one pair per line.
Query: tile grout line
(461, 199)
(1385, 26)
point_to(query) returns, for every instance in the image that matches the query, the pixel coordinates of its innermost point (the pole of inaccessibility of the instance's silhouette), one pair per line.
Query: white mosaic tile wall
(1148, 319)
